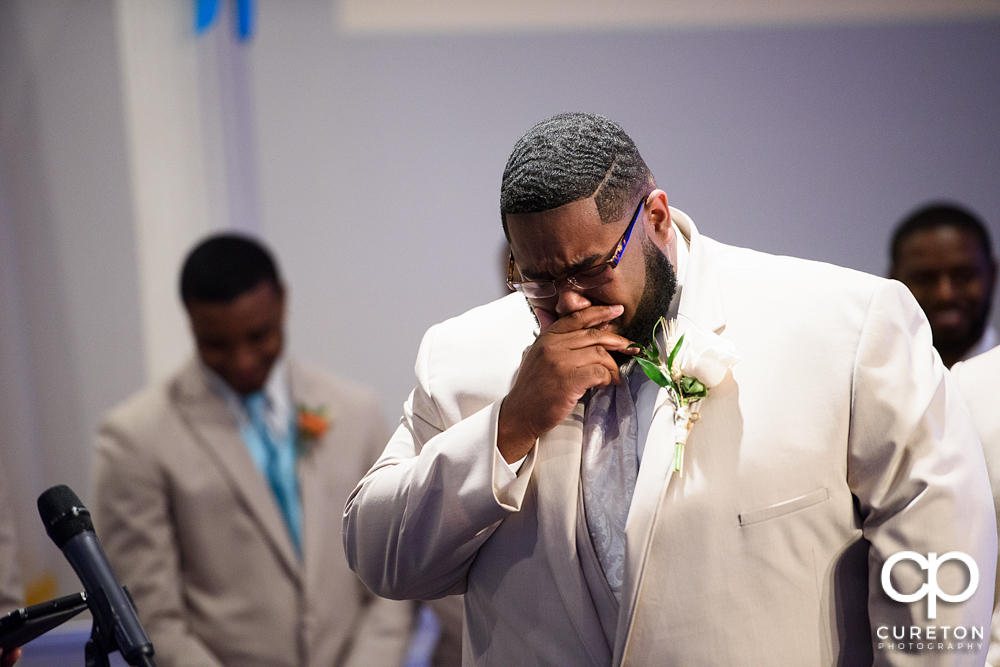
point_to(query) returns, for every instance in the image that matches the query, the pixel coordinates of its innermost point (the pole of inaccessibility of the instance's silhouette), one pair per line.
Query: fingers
(545, 319)
(602, 373)
(569, 357)
(579, 329)
(600, 368)
(573, 372)
(586, 318)
(9, 659)
(596, 338)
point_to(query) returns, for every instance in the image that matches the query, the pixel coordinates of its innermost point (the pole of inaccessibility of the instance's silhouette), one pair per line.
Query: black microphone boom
(68, 523)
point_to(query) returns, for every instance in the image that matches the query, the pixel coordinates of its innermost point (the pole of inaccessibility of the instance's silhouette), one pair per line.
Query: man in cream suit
(217, 491)
(979, 381)
(534, 469)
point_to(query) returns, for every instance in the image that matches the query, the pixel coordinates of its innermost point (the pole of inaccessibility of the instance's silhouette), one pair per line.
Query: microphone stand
(102, 640)
(22, 625)
(97, 650)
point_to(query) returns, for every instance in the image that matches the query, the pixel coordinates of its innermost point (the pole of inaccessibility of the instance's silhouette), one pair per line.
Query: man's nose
(569, 300)
(244, 358)
(945, 289)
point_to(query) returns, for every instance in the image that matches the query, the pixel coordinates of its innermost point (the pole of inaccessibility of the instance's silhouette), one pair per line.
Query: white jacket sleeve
(414, 523)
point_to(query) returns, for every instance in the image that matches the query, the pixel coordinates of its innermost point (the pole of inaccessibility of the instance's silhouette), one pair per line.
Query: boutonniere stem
(688, 365)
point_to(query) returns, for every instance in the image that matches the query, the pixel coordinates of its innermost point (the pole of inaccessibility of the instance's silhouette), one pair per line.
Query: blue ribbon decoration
(207, 11)
(245, 18)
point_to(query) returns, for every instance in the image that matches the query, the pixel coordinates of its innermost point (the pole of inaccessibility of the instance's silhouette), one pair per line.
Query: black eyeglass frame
(546, 289)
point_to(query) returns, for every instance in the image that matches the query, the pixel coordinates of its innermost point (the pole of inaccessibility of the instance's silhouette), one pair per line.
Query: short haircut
(935, 215)
(569, 157)
(225, 266)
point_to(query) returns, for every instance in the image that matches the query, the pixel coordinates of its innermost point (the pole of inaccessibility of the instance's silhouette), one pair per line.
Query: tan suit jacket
(11, 587)
(837, 441)
(979, 380)
(193, 530)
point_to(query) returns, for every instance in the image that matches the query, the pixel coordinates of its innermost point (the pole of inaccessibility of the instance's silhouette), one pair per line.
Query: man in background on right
(943, 254)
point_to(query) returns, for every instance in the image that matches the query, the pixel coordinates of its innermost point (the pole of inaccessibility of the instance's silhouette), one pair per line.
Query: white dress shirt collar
(276, 390)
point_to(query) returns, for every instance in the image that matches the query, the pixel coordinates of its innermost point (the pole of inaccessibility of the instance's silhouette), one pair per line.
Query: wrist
(514, 441)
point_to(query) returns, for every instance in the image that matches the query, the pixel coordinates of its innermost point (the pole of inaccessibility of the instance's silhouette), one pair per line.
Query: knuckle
(591, 374)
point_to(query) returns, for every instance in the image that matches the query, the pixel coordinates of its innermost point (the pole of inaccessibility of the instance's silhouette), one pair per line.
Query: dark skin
(9, 659)
(241, 339)
(952, 279)
(579, 329)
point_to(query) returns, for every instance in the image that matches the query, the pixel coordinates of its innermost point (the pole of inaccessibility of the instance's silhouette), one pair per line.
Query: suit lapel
(214, 428)
(700, 307)
(701, 297)
(650, 488)
(557, 471)
(312, 485)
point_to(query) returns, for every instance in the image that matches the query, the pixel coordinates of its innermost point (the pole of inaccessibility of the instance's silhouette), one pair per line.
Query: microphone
(69, 525)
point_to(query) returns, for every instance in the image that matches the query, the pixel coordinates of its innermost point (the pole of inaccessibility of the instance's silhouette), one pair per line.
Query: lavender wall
(381, 156)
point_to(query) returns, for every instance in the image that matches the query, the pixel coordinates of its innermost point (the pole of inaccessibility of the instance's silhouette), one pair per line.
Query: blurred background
(364, 140)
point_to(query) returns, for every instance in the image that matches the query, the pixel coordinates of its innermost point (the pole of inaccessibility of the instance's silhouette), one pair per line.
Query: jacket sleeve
(413, 525)
(917, 470)
(384, 630)
(133, 521)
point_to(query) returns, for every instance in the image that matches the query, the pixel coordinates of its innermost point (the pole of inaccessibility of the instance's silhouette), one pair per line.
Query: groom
(535, 468)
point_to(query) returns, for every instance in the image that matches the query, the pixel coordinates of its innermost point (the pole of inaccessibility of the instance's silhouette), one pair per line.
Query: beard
(657, 293)
(963, 341)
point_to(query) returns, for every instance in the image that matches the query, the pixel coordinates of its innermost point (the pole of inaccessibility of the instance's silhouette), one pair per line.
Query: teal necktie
(278, 466)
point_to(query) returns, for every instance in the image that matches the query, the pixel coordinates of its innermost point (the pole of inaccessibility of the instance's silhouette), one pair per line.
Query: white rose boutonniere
(688, 364)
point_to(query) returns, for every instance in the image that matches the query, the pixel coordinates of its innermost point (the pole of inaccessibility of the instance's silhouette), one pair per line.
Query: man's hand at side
(9, 659)
(567, 359)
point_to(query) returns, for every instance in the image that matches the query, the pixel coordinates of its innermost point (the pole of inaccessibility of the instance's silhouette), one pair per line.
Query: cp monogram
(930, 589)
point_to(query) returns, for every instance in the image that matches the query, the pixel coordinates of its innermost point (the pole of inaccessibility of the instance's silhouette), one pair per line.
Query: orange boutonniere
(313, 423)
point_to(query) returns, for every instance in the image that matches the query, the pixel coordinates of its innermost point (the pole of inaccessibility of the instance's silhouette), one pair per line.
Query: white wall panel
(382, 16)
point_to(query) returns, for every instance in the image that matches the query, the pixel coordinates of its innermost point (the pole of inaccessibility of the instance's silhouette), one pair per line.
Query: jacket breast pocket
(783, 508)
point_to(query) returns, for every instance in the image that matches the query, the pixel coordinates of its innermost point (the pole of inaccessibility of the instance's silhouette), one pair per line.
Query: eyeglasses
(585, 279)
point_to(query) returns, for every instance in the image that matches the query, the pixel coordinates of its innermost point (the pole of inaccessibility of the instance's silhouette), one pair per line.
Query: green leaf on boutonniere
(693, 388)
(647, 353)
(673, 352)
(653, 372)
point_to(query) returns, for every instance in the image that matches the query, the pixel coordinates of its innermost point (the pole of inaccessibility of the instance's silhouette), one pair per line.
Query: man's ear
(657, 222)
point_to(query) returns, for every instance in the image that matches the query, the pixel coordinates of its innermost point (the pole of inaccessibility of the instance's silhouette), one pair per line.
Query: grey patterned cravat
(609, 470)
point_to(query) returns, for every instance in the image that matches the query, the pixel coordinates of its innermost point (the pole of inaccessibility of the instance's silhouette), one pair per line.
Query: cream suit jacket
(979, 380)
(837, 441)
(193, 530)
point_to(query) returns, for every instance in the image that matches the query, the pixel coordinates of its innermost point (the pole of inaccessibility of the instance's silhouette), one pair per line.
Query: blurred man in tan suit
(11, 588)
(218, 491)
